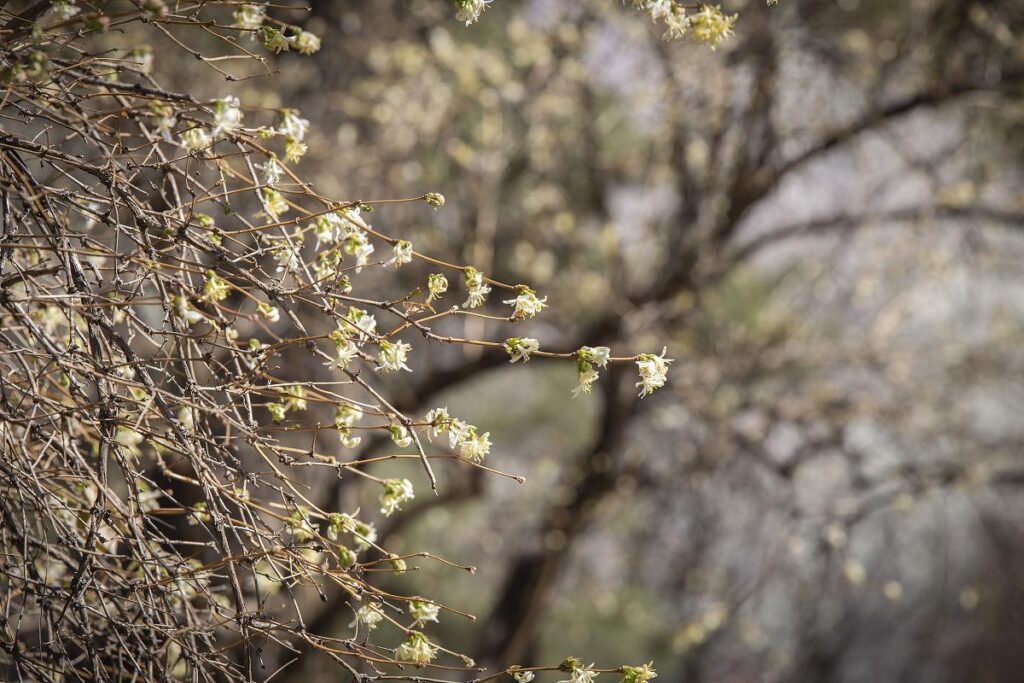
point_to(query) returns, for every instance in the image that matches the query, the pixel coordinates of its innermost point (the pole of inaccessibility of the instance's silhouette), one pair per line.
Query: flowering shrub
(163, 265)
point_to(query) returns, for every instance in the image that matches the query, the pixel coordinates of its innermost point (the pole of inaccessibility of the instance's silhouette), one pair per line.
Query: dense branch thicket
(165, 278)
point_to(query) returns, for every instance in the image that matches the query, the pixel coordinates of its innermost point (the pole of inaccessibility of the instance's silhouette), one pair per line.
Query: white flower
(422, 612)
(346, 557)
(362, 253)
(458, 431)
(586, 358)
(710, 25)
(392, 356)
(164, 115)
(401, 253)
(437, 284)
(478, 291)
(582, 674)
(660, 9)
(299, 527)
(328, 228)
(652, 371)
(346, 415)
(676, 24)
(287, 255)
(347, 440)
(639, 674)
(522, 676)
(273, 40)
(358, 244)
(62, 11)
(290, 124)
(274, 203)
(215, 288)
(439, 420)
(277, 411)
(416, 649)
(598, 355)
(521, 348)
(526, 303)
(347, 352)
(371, 615)
(400, 435)
(294, 149)
(587, 375)
(365, 534)
(249, 17)
(364, 323)
(340, 523)
(195, 139)
(181, 308)
(307, 43)
(227, 116)
(295, 397)
(272, 171)
(396, 492)
(671, 12)
(187, 418)
(269, 312)
(469, 11)
(475, 446)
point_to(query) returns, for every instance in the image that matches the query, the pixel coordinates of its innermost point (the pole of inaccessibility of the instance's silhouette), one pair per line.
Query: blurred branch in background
(759, 205)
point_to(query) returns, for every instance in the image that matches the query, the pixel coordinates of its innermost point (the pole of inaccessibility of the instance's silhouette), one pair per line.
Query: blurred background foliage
(822, 219)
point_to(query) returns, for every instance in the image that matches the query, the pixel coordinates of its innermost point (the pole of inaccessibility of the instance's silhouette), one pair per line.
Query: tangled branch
(184, 330)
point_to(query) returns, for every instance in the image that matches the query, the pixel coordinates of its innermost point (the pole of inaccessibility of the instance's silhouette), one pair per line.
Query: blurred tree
(638, 182)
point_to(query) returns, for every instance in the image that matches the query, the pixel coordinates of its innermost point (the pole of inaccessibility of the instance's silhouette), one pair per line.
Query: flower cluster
(400, 435)
(249, 17)
(469, 11)
(277, 41)
(401, 254)
(476, 287)
(345, 417)
(369, 616)
(588, 359)
(708, 23)
(364, 533)
(521, 348)
(711, 26)
(437, 285)
(639, 674)
(416, 649)
(471, 444)
(215, 288)
(196, 139)
(233, 417)
(422, 612)
(577, 672)
(299, 527)
(293, 127)
(526, 303)
(393, 355)
(227, 116)
(396, 492)
(652, 371)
